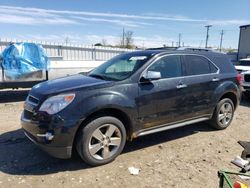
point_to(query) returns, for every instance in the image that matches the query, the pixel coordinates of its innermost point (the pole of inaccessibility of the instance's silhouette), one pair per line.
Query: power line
(207, 26)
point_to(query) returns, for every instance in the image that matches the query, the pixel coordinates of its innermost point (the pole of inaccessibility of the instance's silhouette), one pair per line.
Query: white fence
(71, 52)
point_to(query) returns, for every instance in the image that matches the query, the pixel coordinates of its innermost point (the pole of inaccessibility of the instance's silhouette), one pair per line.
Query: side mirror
(151, 75)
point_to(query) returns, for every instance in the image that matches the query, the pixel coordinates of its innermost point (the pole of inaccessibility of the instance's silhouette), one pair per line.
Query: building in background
(244, 42)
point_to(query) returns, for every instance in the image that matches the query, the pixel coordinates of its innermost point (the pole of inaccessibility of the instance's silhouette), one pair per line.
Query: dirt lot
(185, 157)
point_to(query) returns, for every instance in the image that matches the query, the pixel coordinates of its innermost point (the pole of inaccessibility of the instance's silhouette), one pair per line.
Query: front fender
(108, 99)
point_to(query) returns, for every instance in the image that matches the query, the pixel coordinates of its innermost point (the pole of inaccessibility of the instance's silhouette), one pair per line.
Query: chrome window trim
(184, 76)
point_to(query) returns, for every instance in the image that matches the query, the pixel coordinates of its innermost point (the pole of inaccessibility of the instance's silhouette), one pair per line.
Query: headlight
(56, 103)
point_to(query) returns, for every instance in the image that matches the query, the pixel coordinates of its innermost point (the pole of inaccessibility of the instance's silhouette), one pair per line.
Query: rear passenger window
(168, 66)
(196, 65)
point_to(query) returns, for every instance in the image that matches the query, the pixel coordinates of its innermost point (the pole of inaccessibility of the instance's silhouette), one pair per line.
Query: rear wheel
(223, 114)
(101, 141)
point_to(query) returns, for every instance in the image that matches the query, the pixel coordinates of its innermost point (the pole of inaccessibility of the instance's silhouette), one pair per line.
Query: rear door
(201, 78)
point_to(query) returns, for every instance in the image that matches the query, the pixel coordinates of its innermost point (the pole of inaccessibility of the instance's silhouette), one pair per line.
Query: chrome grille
(33, 100)
(29, 106)
(27, 114)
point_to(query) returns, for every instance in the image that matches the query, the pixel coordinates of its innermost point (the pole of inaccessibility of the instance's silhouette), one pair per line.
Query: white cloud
(27, 15)
(124, 23)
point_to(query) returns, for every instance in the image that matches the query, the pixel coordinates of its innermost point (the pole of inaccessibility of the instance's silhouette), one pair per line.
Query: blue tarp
(22, 59)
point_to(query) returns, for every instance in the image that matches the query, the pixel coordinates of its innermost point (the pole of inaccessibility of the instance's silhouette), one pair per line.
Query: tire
(101, 140)
(223, 114)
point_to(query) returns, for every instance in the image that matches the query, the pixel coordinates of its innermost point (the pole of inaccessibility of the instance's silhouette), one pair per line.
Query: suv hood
(65, 84)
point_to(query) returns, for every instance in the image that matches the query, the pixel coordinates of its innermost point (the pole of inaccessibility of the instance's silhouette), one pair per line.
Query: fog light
(48, 136)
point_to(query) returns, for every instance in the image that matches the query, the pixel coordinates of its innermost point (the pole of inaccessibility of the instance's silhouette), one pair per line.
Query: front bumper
(58, 152)
(63, 135)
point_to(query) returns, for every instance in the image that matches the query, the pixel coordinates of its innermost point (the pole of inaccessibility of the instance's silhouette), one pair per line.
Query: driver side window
(168, 66)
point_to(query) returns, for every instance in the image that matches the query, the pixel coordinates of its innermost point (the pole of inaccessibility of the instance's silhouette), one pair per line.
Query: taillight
(240, 78)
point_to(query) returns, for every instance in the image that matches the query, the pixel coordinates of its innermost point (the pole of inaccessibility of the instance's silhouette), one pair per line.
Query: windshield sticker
(136, 58)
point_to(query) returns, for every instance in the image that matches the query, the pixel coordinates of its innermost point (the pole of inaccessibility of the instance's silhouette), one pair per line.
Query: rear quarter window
(224, 64)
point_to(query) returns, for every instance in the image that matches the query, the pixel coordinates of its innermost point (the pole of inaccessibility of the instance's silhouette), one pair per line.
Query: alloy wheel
(105, 142)
(225, 114)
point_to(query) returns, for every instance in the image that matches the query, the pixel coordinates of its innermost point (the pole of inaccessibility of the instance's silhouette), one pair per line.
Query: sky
(153, 22)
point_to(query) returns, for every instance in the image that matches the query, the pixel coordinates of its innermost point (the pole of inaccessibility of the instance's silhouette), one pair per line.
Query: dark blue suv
(131, 95)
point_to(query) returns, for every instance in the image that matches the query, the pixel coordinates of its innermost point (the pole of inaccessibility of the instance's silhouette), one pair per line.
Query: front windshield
(245, 63)
(120, 67)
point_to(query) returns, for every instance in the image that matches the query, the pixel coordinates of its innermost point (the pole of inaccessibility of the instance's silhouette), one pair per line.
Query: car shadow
(165, 136)
(19, 156)
(13, 95)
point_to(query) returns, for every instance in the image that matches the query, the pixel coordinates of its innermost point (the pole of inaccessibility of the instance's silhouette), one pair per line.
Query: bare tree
(104, 42)
(127, 39)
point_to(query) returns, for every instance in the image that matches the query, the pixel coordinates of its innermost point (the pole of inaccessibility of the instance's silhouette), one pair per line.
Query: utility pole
(123, 37)
(208, 27)
(179, 45)
(221, 38)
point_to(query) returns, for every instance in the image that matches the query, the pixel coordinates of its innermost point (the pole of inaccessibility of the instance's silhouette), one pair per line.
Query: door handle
(215, 79)
(179, 86)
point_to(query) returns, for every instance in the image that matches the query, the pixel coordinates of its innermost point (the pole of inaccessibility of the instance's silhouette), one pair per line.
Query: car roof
(185, 51)
(146, 52)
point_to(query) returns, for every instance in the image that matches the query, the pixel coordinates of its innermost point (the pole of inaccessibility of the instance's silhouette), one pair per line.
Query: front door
(160, 101)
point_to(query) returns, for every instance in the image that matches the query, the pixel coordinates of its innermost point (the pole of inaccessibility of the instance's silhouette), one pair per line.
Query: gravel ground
(184, 157)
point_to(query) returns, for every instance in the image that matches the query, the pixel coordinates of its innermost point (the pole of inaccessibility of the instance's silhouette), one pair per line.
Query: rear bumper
(60, 146)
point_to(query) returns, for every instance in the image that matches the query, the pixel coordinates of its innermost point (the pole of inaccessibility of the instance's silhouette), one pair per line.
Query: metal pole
(123, 37)
(179, 45)
(221, 39)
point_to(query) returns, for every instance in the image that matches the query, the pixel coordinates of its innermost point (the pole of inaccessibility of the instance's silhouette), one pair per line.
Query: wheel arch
(231, 95)
(114, 112)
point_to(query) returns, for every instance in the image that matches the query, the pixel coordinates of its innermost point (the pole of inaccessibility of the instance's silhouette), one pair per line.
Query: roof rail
(162, 48)
(195, 49)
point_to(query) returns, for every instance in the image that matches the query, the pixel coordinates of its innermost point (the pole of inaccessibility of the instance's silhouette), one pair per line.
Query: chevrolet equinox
(131, 95)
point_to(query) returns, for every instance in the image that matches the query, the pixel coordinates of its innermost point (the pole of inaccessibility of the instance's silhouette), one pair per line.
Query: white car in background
(244, 69)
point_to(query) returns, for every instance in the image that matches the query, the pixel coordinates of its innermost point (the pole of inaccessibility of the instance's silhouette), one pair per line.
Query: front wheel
(223, 114)
(101, 141)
